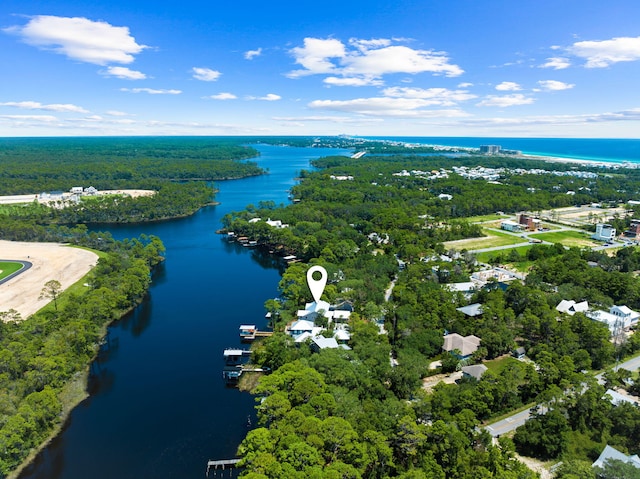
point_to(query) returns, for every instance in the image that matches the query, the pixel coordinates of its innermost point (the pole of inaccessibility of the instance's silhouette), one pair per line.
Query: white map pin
(317, 286)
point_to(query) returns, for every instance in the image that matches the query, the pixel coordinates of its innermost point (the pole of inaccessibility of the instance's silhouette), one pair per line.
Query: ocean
(608, 150)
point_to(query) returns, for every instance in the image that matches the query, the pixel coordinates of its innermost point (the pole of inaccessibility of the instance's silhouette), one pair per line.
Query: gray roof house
(466, 345)
(475, 371)
(612, 453)
(472, 310)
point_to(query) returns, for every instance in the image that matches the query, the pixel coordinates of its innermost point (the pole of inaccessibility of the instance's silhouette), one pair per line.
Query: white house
(570, 307)
(509, 225)
(618, 318)
(604, 232)
(612, 453)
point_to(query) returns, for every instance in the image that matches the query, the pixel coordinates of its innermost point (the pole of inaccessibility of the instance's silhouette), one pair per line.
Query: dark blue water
(597, 149)
(158, 405)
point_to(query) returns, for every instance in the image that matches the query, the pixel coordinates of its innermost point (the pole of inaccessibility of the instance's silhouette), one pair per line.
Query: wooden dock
(222, 464)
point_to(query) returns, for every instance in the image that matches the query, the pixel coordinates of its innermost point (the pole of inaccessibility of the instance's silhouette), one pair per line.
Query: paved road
(25, 266)
(516, 420)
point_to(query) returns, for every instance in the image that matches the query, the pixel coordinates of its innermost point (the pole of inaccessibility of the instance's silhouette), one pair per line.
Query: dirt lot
(50, 261)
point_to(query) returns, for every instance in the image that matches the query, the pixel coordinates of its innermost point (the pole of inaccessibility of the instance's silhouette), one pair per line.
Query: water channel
(158, 404)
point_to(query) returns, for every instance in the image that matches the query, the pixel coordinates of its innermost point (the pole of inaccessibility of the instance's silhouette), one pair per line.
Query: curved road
(25, 266)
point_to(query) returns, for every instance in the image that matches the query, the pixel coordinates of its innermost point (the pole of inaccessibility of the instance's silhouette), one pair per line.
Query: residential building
(604, 232)
(509, 225)
(570, 307)
(475, 371)
(465, 345)
(618, 318)
(490, 149)
(471, 310)
(612, 453)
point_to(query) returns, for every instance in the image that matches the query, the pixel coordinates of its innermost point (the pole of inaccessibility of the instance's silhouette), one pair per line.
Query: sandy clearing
(50, 261)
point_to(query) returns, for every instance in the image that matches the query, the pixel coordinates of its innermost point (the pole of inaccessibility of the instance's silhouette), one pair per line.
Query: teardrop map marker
(317, 285)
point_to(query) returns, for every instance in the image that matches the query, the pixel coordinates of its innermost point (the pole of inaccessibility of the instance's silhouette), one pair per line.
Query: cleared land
(567, 238)
(50, 261)
(492, 240)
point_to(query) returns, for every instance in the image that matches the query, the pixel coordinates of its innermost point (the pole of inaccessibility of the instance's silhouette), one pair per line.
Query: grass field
(493, 239)
(567, 238)
(8, 267)
(480, 219)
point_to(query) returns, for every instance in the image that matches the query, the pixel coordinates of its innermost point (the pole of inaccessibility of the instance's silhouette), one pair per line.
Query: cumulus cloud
(465, 85)
(80, 39)
(600, 54)
(557, 63)
(508, 86)
(366, 60)
(506, 100)
(205, 74)
(223, 96)
(386, 106)
(251, 54)
(554, 85)
(151, 91)
(35, 105)
(124, 73)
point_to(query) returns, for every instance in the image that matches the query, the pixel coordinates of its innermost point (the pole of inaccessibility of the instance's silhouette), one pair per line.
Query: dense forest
(363, 412)
(180, 171)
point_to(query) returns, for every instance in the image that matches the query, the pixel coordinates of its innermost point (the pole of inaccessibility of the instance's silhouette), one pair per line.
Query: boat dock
(222, 464)
(248, 332)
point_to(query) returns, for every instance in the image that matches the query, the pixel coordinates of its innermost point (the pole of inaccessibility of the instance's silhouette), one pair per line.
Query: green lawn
(497, 365)
(8, 267)
(567, 238)
(480, 219)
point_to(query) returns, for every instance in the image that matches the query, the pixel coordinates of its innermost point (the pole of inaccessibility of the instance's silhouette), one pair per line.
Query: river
(158, 405)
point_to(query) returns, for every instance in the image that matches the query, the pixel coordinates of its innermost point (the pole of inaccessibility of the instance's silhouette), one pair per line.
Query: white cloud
(367, 59)
(399, 59)
(352, 81)
(251, 54)
(554, 85)
(116, 113)
(364, 45)
(205, 74)
(151, 91)
(80, 39)
(38, 118)
(124, 73)
(507, 100)
(385, 106)
(620, 116)
(508, 86)
(334, 119)
(600, 54)
(223, 96)
(315, 56)
(271, 97)
(557, 63)
(432, 96)
(35, 105)
(465, 85)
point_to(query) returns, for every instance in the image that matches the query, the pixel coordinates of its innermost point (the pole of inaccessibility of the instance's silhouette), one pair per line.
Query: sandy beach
(50, 261)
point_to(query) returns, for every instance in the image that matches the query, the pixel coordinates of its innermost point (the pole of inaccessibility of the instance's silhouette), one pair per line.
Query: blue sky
(527, 68)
